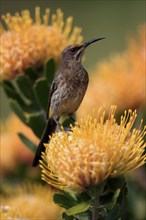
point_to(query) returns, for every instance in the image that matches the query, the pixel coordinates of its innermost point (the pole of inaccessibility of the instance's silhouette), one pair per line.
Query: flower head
(29, 201)
(13, 151)
(30, 43)
(94, 150)
(119, 80)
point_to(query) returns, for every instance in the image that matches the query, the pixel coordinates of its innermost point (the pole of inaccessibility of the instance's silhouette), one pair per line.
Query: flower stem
(95, 209)
(96, 193)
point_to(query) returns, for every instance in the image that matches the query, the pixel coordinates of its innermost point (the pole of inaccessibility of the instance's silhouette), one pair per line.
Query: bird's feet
(60, 127)
(67, 129)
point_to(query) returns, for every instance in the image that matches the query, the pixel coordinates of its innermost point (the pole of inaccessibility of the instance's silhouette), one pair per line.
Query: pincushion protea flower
(30, 43)
(109, 82)
(94, 150)
(28, 201)
(13, 150)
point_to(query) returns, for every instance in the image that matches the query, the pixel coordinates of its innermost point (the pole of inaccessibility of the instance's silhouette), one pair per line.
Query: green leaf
(84, 216)
(8, 83)
(113, 200)
(83, 197)
(11, 92)
(27, 142)
(120, 207)
(50, 69)
(122, 199)
(18, 110)
(116, 182)
(95, 190)
(31, 73)
(79, 208)
(37, 123)
(64, 200)
(112, 191)
(25, 86)
(41, 90)
(66, 217)
(114, 214)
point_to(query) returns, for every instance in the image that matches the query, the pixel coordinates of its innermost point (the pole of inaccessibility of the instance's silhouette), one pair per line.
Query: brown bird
(67, 91)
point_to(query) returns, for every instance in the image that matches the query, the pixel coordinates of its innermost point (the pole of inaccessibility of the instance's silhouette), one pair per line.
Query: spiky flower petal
(30, 43)
(94, 150)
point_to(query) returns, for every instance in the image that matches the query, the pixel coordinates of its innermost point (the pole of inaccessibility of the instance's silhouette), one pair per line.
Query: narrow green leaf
(8, 83)
(41, 90)
(114, 214)
(11, 92)
(79, 208)
(119, 208)
(25, 86)
(64, 200)
(37, 123)
(50, 68)
(18, 110)
(122, 199)
(112, 202)
(27, 142)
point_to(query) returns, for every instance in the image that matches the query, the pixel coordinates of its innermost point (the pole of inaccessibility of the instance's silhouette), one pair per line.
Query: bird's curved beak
(84, 45)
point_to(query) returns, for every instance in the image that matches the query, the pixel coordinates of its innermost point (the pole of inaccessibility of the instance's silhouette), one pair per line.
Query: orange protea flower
(30, 43)
(29, 201)
(119, 80)
(94, 150)
(13, 151)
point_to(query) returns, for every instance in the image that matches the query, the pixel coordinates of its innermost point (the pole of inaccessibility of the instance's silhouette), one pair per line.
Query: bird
(66, 92)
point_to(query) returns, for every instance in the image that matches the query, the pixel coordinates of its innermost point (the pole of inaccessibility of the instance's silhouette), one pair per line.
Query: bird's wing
(52, 89)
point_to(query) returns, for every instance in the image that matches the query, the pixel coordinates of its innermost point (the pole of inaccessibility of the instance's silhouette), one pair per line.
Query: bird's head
(75, 52)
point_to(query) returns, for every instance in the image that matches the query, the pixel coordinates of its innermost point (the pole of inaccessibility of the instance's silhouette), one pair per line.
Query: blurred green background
(114, 19)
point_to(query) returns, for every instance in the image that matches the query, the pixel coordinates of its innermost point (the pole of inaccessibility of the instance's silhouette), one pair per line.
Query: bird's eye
(73, 49)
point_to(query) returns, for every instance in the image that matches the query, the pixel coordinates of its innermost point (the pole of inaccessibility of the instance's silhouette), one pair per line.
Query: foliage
(107, 201)
(27, 99)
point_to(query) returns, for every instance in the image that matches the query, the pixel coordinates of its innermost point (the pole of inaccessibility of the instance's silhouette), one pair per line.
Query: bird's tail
(49, 129)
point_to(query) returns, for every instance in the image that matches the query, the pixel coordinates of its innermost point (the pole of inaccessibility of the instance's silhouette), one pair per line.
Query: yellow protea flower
(30, 43)
(109, 82)
(29, 201)
(13, 151)
(95, 149)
